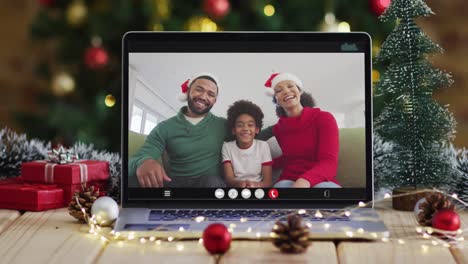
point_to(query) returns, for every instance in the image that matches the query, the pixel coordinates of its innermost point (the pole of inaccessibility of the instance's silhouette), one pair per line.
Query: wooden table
(54, 237)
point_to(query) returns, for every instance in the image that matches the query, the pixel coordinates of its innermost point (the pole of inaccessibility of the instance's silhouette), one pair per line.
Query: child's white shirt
(247, 163)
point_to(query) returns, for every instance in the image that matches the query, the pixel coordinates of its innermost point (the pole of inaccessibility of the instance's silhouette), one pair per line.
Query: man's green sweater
(194, 150)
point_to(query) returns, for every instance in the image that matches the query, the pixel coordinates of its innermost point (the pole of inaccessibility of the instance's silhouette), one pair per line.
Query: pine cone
(292, 237)
(85, 198)
(435, 201)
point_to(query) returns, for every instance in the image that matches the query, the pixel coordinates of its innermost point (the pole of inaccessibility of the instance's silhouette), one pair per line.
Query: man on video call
(193, 140)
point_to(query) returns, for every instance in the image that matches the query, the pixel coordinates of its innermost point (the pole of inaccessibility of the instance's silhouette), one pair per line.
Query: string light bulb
(344, 27)
(180, 247)
(110, 100)
(376, 78)
(425, 248)
(269, 10)
(318, 214)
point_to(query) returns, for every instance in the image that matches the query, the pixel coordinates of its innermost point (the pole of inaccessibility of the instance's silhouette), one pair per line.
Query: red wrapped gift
(68, 176)
(80, 171)
(17, 195)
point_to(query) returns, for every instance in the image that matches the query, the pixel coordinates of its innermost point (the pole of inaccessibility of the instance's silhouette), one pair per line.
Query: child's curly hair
(244, 107)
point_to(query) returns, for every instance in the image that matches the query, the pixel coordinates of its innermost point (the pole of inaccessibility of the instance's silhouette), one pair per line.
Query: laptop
(335, 68)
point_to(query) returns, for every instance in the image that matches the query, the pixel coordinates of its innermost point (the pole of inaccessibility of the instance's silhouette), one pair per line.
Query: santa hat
(183, 96)
(275, 78)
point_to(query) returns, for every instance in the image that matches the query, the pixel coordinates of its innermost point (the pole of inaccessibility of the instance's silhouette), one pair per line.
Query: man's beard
(191, 105)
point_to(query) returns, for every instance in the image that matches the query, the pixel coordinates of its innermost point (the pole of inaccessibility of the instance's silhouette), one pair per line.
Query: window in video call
(225, 126)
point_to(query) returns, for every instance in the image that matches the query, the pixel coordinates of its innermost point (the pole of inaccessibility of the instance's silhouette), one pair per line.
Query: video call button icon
(167, 193)
(219, 193)
(246, 193)
(259, 193)
(273, 193)
(232, 193)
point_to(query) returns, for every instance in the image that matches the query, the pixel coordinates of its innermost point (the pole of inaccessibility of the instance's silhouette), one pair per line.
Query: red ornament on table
(96, 57)
(216, 239)
(216, 8)
(379, 6)
(447, 220)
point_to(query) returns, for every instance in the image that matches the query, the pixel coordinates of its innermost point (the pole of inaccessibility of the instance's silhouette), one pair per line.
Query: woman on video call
(308, 136)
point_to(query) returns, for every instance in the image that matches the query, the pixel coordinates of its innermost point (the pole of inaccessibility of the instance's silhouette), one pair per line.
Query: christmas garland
(16, 148)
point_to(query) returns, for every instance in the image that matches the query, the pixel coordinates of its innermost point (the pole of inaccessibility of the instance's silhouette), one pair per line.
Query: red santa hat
(275, 78)
(183, 96)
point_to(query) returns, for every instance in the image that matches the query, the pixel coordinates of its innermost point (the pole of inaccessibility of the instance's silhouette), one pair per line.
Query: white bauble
(416, 206)
(105, 210)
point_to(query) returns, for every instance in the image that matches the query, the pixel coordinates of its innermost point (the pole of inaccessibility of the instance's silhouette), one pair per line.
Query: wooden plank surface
(48, 237)
(194, 252)
(415, 249)
(6, 218)
(167, 252)
(265, 252)
(402, 225)
(54, 237)
(393, 252)
(460, 253)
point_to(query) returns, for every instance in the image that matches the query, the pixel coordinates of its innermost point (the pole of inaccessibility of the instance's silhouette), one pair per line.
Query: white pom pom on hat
(183, 95)
(275, 78)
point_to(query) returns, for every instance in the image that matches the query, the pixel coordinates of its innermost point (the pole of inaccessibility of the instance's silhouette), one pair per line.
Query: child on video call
(247, 161)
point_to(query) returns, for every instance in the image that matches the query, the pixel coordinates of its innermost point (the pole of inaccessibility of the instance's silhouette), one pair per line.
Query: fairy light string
(429, 236)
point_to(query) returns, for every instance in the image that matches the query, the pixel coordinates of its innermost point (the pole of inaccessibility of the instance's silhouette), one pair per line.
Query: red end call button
(273, 193)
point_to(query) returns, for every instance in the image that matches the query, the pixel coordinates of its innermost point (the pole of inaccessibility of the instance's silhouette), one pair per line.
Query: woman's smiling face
(287, 94)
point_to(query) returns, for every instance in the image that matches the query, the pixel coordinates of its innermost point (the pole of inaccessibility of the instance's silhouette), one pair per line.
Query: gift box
(69, 177)
(77, 172)
(18, 195)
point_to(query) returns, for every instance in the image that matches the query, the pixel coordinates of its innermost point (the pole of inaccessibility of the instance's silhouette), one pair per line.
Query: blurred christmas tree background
(82, 38)
(60, 64)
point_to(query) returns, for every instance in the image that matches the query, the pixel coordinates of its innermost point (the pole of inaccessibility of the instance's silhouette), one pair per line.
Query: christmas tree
(417, 127)
(82, 100)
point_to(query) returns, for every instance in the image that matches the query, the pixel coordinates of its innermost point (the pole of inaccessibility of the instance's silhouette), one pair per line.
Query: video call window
(335, 81)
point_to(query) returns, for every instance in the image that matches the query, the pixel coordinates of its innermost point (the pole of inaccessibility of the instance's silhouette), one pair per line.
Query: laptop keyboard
(249, 215)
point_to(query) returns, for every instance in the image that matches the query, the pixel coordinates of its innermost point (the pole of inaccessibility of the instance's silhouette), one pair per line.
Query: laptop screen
(246, 119)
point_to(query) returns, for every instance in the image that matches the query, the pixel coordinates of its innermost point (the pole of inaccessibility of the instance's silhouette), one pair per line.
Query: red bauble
(447, 220)
(379, 6)
(46, 2)
(216, 8)
(216, 239)
(96, 57)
